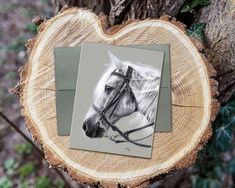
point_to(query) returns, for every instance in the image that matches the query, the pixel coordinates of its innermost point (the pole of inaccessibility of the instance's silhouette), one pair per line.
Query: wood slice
(193, 103)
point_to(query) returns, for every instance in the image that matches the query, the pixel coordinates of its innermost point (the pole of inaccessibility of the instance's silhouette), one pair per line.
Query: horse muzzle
(92, 129)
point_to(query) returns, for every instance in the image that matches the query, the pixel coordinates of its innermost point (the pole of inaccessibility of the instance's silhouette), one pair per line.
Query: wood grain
(193, 103)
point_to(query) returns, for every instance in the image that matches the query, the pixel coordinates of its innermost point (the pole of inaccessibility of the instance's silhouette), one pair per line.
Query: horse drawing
(123, 89)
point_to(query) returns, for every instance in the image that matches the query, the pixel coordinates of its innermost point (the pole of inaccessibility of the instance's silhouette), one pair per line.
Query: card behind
(66, 69)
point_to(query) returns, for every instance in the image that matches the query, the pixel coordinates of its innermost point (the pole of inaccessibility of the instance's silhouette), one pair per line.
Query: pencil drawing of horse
(123, 89)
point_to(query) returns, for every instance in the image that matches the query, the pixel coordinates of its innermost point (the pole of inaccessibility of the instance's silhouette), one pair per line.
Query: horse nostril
(85, 127)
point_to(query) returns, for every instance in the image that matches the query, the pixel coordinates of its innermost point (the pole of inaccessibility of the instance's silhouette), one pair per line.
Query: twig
(21, 133)
(67, 184)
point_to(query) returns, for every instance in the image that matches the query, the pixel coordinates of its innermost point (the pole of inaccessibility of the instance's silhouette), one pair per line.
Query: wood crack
(178, 105)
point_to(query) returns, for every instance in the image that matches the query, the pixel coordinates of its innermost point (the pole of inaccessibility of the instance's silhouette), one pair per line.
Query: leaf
(194, 180)
(213, 183)
(231, 166)
(226, 112)
(187, 8)
(43, 182)
(59, 184)
(27, 169)
(196, 3)
(18, 45)
(223, 139)
(46, 2)
(199, 182)
(218, 172)
(24, 148)
(190, 6)
(32, 27)
(196, 30)
(24, 184)
(5, 182)
(211, 164)
(10, 165)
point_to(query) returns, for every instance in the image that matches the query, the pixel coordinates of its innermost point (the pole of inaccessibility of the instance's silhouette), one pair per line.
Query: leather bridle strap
(114, 128)
(115, 102)
(137, 129)
(122, 88)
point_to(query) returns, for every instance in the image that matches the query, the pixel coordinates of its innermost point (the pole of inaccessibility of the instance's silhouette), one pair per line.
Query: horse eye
(108, 88)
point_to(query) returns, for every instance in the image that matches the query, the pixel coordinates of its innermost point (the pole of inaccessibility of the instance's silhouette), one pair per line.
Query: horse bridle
(114, 103)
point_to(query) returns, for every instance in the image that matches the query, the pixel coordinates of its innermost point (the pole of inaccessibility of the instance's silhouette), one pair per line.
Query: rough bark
(119, 11)
(219, 17)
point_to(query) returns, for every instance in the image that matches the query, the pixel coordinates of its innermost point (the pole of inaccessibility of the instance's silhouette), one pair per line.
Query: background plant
(214, 162)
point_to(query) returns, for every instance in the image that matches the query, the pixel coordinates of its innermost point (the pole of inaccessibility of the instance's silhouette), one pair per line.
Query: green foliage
(6, 7)
(46, 2)
(27, 169)
(191, 5)
(196, 30)
(18, 45)
(5, 182)
(24, 148)
(211, 164)
(231, 167)
(10, 165)
(196, 3)
(198, 182)
(187, 8)
(32, 27)
(43, 182)
(24, 184)
(59, 184)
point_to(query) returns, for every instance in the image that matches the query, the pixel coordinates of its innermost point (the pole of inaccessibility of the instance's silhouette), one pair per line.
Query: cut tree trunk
(218, 15)
(193, 103)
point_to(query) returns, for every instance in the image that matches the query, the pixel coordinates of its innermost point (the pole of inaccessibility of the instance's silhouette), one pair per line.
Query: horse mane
(144, 83)
(145, 86)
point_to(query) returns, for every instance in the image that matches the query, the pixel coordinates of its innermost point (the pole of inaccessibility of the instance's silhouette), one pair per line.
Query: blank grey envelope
(66, 70)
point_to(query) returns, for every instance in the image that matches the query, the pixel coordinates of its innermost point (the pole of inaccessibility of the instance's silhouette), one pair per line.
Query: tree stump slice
(193, 98)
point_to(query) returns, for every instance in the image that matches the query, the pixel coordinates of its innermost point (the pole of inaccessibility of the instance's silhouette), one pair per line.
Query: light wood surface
(193, 103)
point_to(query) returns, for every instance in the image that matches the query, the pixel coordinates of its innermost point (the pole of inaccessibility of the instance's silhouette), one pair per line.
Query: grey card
(164, 116)
(116, 98)
(66, 68)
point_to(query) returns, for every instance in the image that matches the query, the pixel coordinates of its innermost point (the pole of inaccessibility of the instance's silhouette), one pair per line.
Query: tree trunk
(218, 15)
(119, 11)
(193, 102)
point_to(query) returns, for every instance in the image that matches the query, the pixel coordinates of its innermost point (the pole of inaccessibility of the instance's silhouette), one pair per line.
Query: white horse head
(142, 93)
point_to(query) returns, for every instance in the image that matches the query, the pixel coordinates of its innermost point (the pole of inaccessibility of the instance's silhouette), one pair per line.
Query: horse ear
(117, 62)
